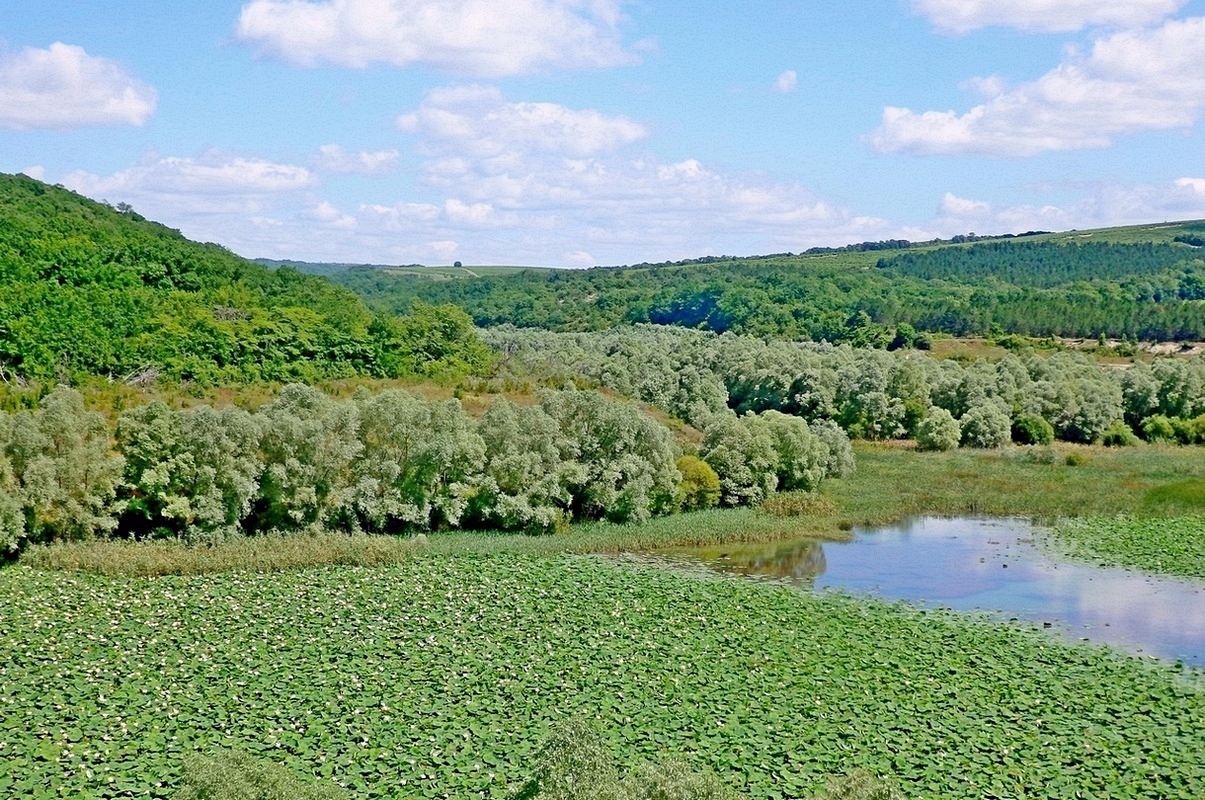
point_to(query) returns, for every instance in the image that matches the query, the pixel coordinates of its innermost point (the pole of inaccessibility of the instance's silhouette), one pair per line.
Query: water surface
(994, 566)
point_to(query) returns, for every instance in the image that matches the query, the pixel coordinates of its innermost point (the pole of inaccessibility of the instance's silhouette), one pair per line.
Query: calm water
(993, 566)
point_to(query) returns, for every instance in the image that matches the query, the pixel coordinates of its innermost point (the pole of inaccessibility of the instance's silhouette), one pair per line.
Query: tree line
(389, 462)
(1137, 292)
(872, 394)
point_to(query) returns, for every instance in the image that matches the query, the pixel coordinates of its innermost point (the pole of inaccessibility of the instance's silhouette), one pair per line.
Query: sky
(581, 132)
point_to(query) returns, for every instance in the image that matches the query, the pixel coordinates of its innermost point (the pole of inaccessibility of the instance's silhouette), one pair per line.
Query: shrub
(1032, 429)
(1158, 428)
(67, 475)
(860, 785)
(840, 461)
(673, 779)
(802, 457)
(237, 776)
(575, 764)
(743, 456)
(193, 473)
(416, 462)
(1118, 435)
(522, 487)
(985, 425)
(624, 461)
(938, 430)
(700, 486)
(308, 444)
(1035, 454)
(1189, 431)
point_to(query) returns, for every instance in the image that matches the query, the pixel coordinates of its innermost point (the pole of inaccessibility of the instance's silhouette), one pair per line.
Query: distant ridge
(89, 289)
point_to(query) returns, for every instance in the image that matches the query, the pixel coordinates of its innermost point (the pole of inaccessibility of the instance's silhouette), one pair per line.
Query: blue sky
(582, 132)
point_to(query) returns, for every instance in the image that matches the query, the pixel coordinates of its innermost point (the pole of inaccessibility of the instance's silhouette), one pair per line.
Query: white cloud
(62, 87)
(1103, 206)
(573, 181)
(480, 122)
(213, 183)
(786, 82)
(499, 182)
(961, 16)
(469, 37)
(327, 215)
(1130, 82)
(1195, 186)
(333, 158)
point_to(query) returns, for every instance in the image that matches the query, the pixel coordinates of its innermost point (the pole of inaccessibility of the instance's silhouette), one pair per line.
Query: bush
(985, 425)
(938, 430)
(1189, 431)
(860, 785)
(575, 764)
(840, 461)
(67, 474)
(700, 486)
(1118, 435)
(1158, 428)
(802, 457)
(743, 456)
(1032, 429)
(238, 776)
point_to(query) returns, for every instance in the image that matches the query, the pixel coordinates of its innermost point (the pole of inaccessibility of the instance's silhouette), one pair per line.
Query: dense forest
(86, 289)
(1032, 286)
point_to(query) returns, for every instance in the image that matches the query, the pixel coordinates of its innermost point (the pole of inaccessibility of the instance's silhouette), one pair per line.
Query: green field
(439, 676)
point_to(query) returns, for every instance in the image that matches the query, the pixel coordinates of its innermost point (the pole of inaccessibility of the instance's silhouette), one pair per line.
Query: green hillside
(86, 289)
(1137, 283)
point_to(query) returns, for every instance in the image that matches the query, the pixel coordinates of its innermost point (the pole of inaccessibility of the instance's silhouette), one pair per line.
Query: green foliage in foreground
(234, 775)
(576, 764)
(441, 676)
(1171, 545)
(573, 764)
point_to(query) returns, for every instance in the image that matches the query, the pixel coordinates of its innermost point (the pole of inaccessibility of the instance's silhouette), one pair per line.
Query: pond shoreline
(1005, 568)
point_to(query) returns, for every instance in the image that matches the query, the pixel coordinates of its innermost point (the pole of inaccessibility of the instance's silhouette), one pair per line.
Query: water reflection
(993, 566)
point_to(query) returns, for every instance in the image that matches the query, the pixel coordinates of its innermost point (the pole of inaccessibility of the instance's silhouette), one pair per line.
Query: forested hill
(87, 289)
(1138, 283)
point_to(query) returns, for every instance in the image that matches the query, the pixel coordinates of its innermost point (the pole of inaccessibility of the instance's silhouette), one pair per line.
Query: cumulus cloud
(62, 87)
(213, 182)
(786, 82)
(469, 37)
(333, 158)
(499, 181)
(578, 177)
(1131, 81)
(479, 121)
(962, 16)
(1100, 207)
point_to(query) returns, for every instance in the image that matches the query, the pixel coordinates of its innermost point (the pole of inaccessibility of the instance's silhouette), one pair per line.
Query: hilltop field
(351, 530)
